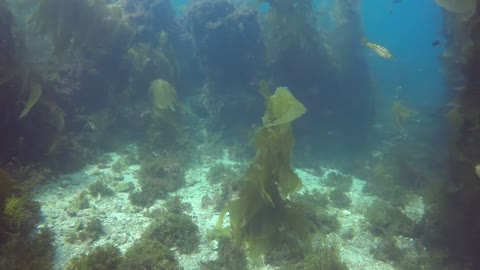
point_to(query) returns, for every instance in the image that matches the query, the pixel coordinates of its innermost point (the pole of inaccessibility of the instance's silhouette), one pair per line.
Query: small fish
(380, 50)
(436, 42)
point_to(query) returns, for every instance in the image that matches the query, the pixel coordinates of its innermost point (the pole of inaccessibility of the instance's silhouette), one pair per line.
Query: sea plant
(82, 25)
(401, 114)
(230, 256)
(387, 221)
(149, 254)
(262, 216)
(339, 198)
(220, 173)
(164, 94)
(99, 188)
(106, 257)
(34, 95)
(86, 232)
(174, 230)
(339, 181)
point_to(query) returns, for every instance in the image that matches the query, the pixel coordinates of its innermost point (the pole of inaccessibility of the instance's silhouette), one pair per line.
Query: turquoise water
(408, 29)
(141, 124)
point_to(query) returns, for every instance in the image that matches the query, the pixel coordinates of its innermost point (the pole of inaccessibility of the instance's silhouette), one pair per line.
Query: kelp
(164, 94)
(35, 94)
(282, 108)
(262, 216)
(401, 114)
(82, 24)
(463, 8)
(148, 62)
(6, 184)
(47, 121)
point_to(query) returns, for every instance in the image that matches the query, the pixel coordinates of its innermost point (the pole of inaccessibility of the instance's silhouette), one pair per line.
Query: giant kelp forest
(80, 78)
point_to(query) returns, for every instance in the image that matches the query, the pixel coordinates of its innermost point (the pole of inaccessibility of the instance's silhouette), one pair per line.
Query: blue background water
(407, 29)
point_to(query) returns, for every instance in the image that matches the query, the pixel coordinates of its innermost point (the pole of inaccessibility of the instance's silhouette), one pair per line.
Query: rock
(124, 187)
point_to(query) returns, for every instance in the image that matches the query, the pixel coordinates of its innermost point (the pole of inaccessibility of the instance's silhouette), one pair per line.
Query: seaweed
(23, 245)
(387, 221)
(6, 185)
(339, 181)
(99, 188)
(149, 254)
(164, 94)
(34, 251)
(106, 257)
(75, 25)
(230, 256)
(151, 61)
(401, 114)
(262, 216)
(339, 198)
(387, 250)
(20, 212)
(86, 232)
(322, 258)
(176, 206)
(174, 230)
(35, 94)
(220, 173)
(157, 178)
(80, 202)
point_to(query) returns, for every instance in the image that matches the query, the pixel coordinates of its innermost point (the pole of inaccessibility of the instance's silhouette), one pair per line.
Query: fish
(380, 50)
(436, 42)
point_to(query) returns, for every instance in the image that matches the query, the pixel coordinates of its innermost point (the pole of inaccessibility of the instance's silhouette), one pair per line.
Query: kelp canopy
(263, 216)
(82, 24)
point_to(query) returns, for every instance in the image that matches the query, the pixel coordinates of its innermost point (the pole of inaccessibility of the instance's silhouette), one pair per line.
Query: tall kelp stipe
(73, 24)
(262, 216)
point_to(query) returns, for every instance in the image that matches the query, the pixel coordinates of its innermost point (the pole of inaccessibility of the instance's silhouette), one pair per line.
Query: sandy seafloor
(124, 223)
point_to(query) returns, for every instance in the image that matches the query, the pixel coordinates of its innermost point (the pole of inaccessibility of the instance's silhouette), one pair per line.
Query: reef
(229, 40)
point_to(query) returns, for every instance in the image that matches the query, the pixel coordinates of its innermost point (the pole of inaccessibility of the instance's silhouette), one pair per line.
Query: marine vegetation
(35, 94)
(262, 216)
(78, 25)
(463, 8)
(339, 198)
(143, 254)
(147, 62)
(220, 173)
(387, 221)
(86, 232)
(106, 257)
(315, 206)
(321, 258)
(79, 202)
(229, 42)
(174, 230)
(99, 188)
(164, 95)
(339, 181)
(149, 254)
(230, 256)
(19, 236)
(158, 176)
(401, 114)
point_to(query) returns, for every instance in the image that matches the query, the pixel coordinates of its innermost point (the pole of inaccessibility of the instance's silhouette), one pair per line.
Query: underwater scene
(239, 134)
